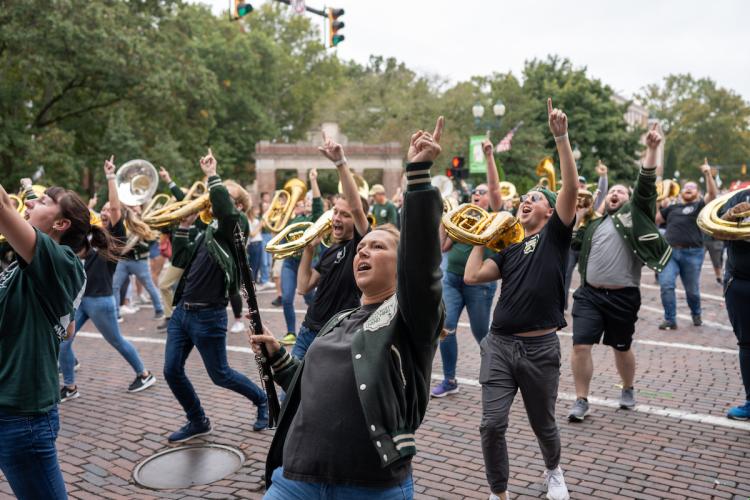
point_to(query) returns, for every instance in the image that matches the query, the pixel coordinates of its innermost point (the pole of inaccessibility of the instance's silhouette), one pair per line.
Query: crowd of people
(383, 296)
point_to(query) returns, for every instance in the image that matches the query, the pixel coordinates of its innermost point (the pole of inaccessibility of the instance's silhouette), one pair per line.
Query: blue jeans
(103, 313)
(255, 258)
(304, 340)
(266, 261)
(206, 330)
(288, 291)
(28, 456)
(687, 263)
(143, 274)
(478, 302)
(288, 489)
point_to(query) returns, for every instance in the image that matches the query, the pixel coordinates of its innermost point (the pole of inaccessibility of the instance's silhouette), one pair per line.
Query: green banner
(477, 161)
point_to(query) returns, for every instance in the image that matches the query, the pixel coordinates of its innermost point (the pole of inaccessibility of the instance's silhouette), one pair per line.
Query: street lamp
(498, 109)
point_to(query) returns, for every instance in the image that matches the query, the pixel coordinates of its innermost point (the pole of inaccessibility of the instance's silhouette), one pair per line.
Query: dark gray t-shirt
(328, 440)
(682, 225)
(205, 281)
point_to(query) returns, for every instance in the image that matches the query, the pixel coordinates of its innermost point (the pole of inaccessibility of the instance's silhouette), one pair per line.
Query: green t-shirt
(385, 213)
(459, 254)
(37, 303)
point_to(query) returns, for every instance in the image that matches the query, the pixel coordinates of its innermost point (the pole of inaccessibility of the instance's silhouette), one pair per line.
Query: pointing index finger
(438, 129)
(549, 105)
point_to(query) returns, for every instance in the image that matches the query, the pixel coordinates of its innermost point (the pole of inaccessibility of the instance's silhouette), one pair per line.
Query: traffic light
(334, 38)
(457, 170)
(240, 8)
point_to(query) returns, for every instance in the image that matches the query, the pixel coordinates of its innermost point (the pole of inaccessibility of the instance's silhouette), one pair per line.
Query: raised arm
(317, 200)
(644, 194)
(334, 152)
(493, 180)
(419, 290)
(602, 186)
(115, 209)
(711, 190)
(478, 269)
(222, 206)
(307, 277)
(19, 233)
(567, 199)
(173, 188)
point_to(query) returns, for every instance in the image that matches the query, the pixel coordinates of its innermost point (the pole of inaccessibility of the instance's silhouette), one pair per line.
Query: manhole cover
(187, 466)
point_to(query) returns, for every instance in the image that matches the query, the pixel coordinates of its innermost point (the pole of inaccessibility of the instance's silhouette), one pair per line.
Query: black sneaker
(276, 302)
(697, 321)
(668, 325)
(66, 394)
(163, 326)
(159, 315)
(140, 383)
(719, 280)
(191, 430)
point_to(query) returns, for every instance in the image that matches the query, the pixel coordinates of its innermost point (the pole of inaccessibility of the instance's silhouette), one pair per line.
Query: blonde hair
(390, 229)
(137, 230)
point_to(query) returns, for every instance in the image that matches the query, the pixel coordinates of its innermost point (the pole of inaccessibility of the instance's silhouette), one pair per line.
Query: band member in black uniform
(371, 364)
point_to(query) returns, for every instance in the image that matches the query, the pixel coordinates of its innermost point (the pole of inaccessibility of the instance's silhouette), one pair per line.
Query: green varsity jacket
(635, 223)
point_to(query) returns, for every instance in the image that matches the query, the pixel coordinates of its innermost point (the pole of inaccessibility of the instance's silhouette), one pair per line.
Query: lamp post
(498, 109)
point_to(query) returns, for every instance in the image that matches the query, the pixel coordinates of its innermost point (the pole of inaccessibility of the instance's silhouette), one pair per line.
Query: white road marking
(639, 408)
(682, 292)
(609, 403)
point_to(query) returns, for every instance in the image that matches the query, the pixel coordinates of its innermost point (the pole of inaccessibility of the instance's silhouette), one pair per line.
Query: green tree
(701, 120)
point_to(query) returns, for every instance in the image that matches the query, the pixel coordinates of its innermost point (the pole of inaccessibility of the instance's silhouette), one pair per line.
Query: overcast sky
(625, 44)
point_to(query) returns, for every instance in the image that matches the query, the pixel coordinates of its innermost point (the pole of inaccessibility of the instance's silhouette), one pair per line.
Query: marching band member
(99, 304)
(332, 278)
(613, 248)
(737, 295)
(39, 293)
(522, 350)
(200, 318)
(355, 401)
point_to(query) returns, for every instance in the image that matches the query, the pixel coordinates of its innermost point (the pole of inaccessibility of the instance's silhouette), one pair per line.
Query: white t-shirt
(254, 225)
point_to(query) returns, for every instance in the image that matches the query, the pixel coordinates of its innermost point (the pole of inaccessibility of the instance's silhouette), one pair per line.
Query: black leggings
(236, 301)
(737, 296)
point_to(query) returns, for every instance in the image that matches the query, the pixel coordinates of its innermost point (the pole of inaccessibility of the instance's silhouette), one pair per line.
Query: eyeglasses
(533, 197)
(480, 192)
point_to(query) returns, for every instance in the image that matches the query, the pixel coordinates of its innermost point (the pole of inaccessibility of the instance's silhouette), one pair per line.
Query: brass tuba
(545, 170)
(293, 239)
(445, 186)
(667, 188)
(472, 225)
(283, 203)
(710, 223)
(362, 187)
(136, 182)
(196, 200)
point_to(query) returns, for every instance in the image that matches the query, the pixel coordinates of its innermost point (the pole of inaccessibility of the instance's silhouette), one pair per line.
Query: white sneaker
(495, 497)
(554, 483)
(126, 309)
(145, 298)
(266, 286)
(238, 327)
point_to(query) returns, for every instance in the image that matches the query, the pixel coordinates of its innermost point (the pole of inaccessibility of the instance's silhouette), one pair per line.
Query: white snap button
(378, 444)
(385, 457)
(372, 428)
(357, 356)
(362, 387)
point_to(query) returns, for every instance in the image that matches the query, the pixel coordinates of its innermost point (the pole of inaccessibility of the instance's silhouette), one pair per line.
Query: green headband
(551, 197)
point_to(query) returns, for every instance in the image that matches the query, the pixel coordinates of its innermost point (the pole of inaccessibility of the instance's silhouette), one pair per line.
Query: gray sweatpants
(509, 363)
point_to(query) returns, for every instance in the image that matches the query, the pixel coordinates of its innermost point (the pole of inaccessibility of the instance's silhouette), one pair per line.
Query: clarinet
(247, 288)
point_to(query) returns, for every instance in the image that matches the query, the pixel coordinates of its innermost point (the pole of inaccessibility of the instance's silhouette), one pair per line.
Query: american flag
(504, 145)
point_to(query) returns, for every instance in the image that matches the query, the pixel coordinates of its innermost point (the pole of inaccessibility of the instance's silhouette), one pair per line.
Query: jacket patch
(626, 219)
(382, 315)
(649, 237)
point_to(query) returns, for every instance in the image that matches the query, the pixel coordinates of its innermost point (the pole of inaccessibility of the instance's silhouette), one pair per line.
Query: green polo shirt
(37, 303)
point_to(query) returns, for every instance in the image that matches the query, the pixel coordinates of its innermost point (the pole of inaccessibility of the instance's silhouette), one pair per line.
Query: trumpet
(282, 204)
(472, 225)
(710, 223)
(293, 239)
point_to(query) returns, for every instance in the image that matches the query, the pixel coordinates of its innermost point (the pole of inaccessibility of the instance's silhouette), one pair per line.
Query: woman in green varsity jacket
(355, 401)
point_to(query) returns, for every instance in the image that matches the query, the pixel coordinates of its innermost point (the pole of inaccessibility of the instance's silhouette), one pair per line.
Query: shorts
(611, 313)
(715, 251)
(276, 269)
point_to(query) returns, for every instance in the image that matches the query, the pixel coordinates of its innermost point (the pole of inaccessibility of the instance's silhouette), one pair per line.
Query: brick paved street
(677, 444)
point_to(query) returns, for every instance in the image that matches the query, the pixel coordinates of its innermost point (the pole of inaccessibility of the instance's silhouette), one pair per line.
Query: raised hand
(109, 166)
(332, 150)
(164, 175)
(425, 146)
(26, 183)
(208, 164)
(601, 169)
(705, 168)
(487, 148)
(558, 121)
(653, 138)
(313, 174)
